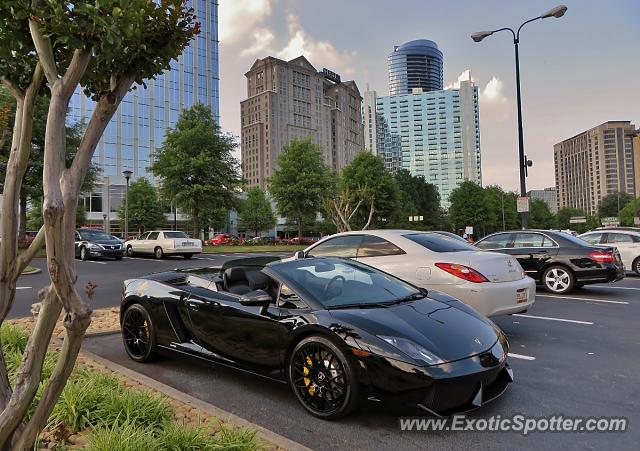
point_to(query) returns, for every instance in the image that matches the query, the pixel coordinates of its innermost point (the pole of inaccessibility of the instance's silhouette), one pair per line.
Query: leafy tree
(301, 182)
(145, 210)
(417, 198)
(498, 201)
(626, 215)
(196, 167)
(611, 204)
(108, 46)
(469, 206)
(540, 215)
(564, 215)
(255, 211)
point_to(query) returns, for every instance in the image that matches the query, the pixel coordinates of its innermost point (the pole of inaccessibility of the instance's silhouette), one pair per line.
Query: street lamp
(558, 11)
(127, 175)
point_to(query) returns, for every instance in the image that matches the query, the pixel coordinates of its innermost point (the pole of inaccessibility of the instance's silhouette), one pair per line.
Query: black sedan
(336, 330)
(557, 260)
(92, 243)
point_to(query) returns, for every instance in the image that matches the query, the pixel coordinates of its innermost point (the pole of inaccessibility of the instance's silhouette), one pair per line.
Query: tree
(108, 46)
(417, 198)
(144, 209)
(469, 206)
(301, 182)
(611, 204)
(499, 202)
(540, 215)
(255, 211)
(564, 215)
(196, 167)
(626, 215)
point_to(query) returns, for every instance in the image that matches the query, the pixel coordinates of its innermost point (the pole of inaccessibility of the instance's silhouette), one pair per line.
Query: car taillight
(464, 272)
(602, 257)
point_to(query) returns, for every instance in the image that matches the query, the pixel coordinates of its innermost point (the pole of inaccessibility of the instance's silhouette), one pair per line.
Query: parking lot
(573, 355)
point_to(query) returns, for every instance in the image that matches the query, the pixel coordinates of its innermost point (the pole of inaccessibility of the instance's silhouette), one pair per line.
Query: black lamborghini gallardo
(336, 330)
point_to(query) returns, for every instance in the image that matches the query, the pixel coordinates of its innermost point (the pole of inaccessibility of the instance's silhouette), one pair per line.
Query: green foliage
(367, 177)
(540, 216)
(122, 437)
(145, 209)
(255, 211)
(564, 215)
(626, 215)
(196, 167)
(177, 437)
(611, 204)
(417, 198)
(496, 199)
(13, 338)
(135, 407)
(470, 207)
(231, 437)
(301, 182)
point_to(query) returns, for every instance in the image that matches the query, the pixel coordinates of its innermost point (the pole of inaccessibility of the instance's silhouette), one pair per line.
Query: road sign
(610, 222)
(636, 221)
(577, 219)
(468, 230)
(523, 204)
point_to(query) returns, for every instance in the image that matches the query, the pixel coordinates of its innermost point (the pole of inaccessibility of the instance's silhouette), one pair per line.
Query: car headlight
(413, 350)
(94, 246)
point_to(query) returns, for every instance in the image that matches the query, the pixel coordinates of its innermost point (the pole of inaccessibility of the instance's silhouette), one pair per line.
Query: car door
(626, 244)
(150, 242)
(345, 246)
(138, 244)
(533, 250)
(388, 257)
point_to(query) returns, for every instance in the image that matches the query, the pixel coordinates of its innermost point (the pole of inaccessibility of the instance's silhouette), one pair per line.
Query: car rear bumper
(440, 390)
(492, 298)
(183, 250)
(608, 273)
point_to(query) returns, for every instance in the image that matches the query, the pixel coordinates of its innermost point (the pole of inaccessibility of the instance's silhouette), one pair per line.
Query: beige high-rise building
(289, 100)
(636, 159)
(593, 164)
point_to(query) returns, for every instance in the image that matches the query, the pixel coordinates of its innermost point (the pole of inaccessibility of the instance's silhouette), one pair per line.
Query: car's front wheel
(323, 378)
(129, 251)
(138, 333)
(636, 266)
(158, 253)
(558, 279)
(84, 253)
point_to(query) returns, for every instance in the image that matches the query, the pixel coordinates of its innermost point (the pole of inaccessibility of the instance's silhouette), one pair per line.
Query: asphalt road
(575, 355)
(109, 275)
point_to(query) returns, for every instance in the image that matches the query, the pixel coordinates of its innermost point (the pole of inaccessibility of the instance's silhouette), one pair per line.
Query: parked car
(224, 238)
(263, 240)
(492, 284)
(115, 237)
(557, 260)
(332, 328)
(627, 241)
(93, 243)
(301, 240)
(164, 242)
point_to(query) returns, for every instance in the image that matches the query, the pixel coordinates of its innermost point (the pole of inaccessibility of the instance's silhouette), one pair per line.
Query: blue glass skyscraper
(138, 127)
(415, 64)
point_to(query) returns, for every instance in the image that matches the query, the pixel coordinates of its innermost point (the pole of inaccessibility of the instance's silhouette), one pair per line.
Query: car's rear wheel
(636, 266)
(129, 251)
(323, 378)
(558, 279)
(138, 334)
(84, 253)
(159, 254)
(187, 256)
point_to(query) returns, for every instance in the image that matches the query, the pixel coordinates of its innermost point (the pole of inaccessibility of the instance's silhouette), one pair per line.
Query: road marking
(614, 288)
(23, 288)
(93, 261)
(574, 321)
(520, 356)
(583, 299)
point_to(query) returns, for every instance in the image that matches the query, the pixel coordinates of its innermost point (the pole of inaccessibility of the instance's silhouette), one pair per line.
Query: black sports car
(557, 260)
(336, 330)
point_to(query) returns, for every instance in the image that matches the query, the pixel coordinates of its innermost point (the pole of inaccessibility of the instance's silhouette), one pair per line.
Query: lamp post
(558, 11)
(127, 175)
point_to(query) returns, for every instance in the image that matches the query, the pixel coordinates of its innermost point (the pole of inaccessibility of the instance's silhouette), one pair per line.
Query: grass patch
(223, 248)
(122, 437)
(14, 338)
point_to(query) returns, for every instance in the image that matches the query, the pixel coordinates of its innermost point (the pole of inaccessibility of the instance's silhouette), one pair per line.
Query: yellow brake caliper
(307, 381)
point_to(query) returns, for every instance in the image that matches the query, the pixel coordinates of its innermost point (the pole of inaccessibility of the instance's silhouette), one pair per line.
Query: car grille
(114, 247)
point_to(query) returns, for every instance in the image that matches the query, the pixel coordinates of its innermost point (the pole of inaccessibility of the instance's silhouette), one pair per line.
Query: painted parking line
(23, 288)
(563, 320)
(520, 356)
(614, 288)
(94, 261)
(572, 298)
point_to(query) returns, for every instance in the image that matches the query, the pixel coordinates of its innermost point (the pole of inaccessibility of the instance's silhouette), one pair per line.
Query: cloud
(236, 18)
(464, 76)
(492, 91)
(262, 41)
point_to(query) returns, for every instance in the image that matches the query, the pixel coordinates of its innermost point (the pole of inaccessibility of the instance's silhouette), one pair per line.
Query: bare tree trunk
(371, 210)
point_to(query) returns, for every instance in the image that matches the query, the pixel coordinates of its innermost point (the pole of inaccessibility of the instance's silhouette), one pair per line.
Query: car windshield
(175, 235)
(337, 283)
(439, 243)
(94, 235)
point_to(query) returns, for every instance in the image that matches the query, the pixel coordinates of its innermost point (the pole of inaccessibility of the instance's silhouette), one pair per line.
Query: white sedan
(164, 242)
(492, 283)
(627, 241)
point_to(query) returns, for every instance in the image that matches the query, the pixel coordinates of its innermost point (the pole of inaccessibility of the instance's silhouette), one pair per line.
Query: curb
(265, 434)
(31, 273)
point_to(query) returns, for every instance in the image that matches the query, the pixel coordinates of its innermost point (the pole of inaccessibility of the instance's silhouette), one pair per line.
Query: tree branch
(43, 48)
(15, 91)
(75, 72)
(371, 209)
(25, 258)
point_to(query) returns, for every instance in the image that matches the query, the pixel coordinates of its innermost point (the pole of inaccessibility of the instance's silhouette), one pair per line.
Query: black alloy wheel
(138, 334)
(323, 378)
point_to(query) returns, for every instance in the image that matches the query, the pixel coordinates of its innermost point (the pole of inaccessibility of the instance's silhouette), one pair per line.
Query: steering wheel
(330, 283)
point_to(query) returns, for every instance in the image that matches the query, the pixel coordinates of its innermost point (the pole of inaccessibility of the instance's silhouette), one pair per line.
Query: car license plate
(522, 295)
(187, 243)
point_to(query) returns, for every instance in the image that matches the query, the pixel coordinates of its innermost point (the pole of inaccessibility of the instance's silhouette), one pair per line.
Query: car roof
(383, 233)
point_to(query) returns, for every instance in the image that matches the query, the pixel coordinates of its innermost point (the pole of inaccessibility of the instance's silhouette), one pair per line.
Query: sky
(576, 71)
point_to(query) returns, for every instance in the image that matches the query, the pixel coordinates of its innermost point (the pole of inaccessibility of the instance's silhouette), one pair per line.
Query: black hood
(441, 328)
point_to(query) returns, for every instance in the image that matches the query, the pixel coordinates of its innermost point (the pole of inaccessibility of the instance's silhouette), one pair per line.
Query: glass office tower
(415, 64)
(432, 134)
(139, 125)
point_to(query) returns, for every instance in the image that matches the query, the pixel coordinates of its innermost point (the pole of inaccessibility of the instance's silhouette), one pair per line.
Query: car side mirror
(299, 255)
(256, 298)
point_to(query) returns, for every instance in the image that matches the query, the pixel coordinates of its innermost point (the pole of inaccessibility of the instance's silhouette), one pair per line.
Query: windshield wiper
(366, 305)
(411, 297)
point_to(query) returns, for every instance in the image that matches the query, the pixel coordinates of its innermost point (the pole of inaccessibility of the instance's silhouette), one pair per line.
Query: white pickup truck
(164, 242)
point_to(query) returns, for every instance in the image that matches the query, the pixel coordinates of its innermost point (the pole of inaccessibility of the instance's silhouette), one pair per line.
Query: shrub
(134, 406)
(177, 437)
(237, 439)
(13, 338)
(122, 437)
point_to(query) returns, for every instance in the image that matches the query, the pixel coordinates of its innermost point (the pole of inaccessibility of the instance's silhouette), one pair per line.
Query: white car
(626, 241)
(492, 283)
(164, 242)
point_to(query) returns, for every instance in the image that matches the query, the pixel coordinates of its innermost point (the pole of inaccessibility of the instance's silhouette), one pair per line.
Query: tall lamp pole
(127, 175)
(558, 11)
